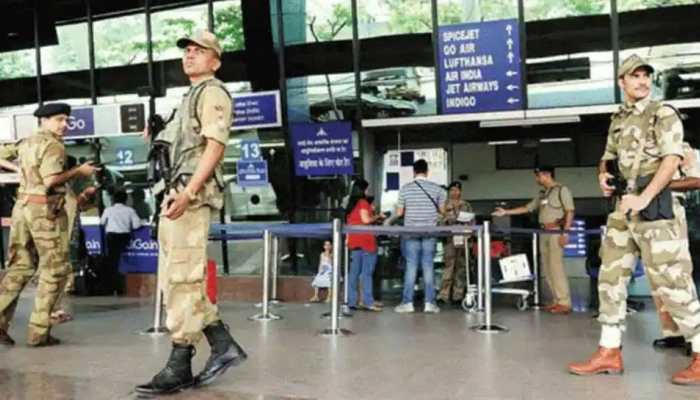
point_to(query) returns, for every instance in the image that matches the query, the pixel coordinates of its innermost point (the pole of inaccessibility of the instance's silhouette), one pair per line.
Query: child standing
(322, 280)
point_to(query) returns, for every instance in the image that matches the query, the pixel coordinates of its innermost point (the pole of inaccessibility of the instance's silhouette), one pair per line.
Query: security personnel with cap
(555, 208)
(454, 274)
(197, 136)
(39, 224)
(646, 140)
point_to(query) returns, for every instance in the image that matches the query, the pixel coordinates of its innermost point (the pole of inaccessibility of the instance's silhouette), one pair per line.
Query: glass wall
(120, 41)
(17, 64)
(400, 89)
(573, 64)
(631, 5)
(676, 55)
(228, 24)
(170, 25)
(71, 52)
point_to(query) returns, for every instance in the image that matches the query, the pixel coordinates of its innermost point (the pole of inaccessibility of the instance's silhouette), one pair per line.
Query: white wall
(478, 160)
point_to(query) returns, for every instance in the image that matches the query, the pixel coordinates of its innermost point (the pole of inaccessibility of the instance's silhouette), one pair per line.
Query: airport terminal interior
(326, 94)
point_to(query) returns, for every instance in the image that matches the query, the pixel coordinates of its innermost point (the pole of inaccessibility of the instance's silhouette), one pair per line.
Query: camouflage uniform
(551, 205)
(662, 244)
(182, 258)
(454, 274)
(37, 228)
(668, 326)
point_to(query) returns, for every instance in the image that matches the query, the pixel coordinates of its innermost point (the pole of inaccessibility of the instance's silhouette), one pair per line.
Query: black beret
(456, 184)
(544, 168)
(49, 110)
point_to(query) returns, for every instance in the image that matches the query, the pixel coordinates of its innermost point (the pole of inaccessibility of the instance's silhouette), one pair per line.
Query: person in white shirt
(119, 221)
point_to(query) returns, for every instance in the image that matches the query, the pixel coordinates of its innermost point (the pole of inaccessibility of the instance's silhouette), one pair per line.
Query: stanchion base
(336, 332)
(271, 303)
(263, 317)
(341, 315)
(489, 329)
(536, 307)
(155, 331)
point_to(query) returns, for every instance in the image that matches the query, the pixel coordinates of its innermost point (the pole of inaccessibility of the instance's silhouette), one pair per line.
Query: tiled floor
(390, 356)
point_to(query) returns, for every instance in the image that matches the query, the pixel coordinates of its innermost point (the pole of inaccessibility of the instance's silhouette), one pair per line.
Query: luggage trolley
(513, 269)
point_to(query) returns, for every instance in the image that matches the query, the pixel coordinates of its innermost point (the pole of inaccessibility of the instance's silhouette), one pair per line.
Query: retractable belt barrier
(270, 233)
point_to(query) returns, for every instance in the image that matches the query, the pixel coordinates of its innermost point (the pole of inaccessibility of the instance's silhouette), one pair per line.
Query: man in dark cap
(555, 208)
(454, 274)
(39, 224)
(197, 135)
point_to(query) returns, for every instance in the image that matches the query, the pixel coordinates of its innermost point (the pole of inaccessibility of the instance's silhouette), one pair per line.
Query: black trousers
(113, 280)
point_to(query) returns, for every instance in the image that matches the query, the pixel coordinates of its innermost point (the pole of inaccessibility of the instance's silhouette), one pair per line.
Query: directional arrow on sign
(512, 87)
(510, 57)
(509, 28)
(512, 100)
(510, 42)
(511, 73)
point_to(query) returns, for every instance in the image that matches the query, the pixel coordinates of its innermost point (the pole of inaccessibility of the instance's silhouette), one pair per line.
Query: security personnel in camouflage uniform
(555, 208)
(645, 138)
(39, 225)
(454, 273)
(687, 179)
(197, 136)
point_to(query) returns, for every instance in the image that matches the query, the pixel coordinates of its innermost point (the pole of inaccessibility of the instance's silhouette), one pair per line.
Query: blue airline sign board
(256, 110)
(140, 255)
(322, 149)
(577, 241)
(81, 123)
(479, 67)
(252, 173)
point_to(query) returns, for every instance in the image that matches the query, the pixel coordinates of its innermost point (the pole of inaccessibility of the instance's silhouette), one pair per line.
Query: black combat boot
(5, 338)
(176, 376)
(225, 352)
(670, 342)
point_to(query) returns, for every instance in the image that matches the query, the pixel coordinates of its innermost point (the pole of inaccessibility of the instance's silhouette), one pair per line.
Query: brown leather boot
(560, 309)
(5, 338)
(690, 375)
(603, 361)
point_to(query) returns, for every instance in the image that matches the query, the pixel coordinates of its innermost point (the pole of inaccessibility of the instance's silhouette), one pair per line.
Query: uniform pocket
(186, 266)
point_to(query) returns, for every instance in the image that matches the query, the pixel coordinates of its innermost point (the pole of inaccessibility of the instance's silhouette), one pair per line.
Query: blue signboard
(141, 255)
(256, 110)
(322, 149)
(577, 240)
(250, 150)
(479, 66)
(252, 173)
(81, 123)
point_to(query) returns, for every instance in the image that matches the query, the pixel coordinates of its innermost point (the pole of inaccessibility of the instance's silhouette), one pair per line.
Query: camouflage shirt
(41, 156)
(663, 130)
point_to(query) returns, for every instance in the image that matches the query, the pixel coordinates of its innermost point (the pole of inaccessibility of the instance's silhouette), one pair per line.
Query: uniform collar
(635, 108)
(46, 132)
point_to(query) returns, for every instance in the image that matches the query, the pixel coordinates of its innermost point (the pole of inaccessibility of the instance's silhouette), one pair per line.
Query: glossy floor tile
(389, 356)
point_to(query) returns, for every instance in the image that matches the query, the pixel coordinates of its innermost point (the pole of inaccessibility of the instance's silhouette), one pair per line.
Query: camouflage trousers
(35, 234)
(668, 326)
(663, 247)
(182, 264)
(552, 258)
(454, 275)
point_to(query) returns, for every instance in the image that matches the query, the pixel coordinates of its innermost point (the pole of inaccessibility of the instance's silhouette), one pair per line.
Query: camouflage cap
(632, 63)
(203, 39)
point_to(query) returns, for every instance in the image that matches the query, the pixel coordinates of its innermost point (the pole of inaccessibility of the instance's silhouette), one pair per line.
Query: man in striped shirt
(420, 203)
